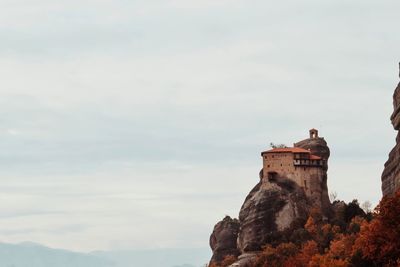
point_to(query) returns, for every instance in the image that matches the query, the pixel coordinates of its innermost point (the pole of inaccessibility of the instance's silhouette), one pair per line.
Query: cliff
(319, 147)
(270, 208)
(391, 173)
(223, 239)
(275, 208)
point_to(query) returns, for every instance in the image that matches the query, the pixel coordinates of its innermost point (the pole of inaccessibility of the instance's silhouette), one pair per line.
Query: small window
(272, 176)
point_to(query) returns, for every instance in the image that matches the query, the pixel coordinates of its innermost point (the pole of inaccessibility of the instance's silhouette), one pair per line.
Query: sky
(139, 124)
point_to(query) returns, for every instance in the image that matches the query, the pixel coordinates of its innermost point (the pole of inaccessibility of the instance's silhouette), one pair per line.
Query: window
(272, 176)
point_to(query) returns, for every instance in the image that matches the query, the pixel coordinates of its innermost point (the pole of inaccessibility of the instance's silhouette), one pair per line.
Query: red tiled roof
(315, 157)
(287, 150)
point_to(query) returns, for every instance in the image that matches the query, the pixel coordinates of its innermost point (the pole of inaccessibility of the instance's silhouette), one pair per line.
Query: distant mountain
(157, 258)
(30, 254)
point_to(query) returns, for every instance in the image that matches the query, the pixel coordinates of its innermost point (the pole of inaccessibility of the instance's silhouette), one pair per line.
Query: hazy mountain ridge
(28, 254)
(157, 258)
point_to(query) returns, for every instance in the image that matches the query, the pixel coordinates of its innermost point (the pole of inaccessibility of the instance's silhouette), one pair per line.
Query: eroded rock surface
(268, 209)
(319, 147)
(391, 173)
(223, 239)
(245, 260)
(278, 205)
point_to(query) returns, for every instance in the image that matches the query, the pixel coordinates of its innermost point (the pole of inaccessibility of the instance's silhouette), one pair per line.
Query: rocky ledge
(391, 173)
(271, 211)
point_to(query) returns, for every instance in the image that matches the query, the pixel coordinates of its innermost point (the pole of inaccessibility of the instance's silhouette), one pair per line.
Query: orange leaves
(326, 261)
(309, 249)
(379, 241)
(311, 226)
(279, 256)
(356, 243)
(228, 260)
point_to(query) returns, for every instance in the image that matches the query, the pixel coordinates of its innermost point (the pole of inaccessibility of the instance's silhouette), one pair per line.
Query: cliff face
(223, 239)
(272, 211)
(268, 209)
(391, 173)
(319, 147)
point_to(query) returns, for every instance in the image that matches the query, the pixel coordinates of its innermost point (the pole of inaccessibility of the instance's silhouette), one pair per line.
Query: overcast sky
(139, 124)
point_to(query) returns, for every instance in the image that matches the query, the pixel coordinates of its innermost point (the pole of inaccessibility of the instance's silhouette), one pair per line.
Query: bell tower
(314, 133)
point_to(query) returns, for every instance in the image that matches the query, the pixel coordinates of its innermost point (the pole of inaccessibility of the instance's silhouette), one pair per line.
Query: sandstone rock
(268, 209)
(319, 147)
(245, 260)
(223, 239)
(391, 173)
(277, 208)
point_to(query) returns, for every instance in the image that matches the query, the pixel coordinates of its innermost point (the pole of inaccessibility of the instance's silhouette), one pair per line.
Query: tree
(366, 206)
(333, 196)
(379, 240)
(352, 210)
(273, 145)
(228, 260)
(279, 256)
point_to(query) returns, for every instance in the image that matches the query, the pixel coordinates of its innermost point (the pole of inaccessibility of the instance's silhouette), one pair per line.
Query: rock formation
(279, 204)
(319, 147)
(268, 209)
(223, 239)
(391, 173)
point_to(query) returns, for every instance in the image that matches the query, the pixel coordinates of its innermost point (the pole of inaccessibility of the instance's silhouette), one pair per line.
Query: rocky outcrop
(391, 173)
(319, 147)
(245, 260)
(269, 209)
(223, 239)
(277, 208)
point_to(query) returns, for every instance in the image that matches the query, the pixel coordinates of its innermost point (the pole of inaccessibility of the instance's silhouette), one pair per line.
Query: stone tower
(313, 133)
(306, 163)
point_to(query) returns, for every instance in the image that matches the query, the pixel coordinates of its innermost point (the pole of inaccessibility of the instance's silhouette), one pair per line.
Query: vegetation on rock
(352, 239)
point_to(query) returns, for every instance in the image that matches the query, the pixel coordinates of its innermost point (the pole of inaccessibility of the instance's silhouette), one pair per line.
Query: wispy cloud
(123, 119)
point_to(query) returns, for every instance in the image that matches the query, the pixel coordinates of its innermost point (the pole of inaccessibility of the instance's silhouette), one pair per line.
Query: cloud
(130, 118)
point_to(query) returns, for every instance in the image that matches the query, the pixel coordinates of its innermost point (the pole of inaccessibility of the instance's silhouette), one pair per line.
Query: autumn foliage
(228, 260)
(356, 240)
(379, 241)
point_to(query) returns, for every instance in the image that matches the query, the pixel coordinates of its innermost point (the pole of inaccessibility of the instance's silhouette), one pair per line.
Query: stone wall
(310, 178)
(319, 147)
